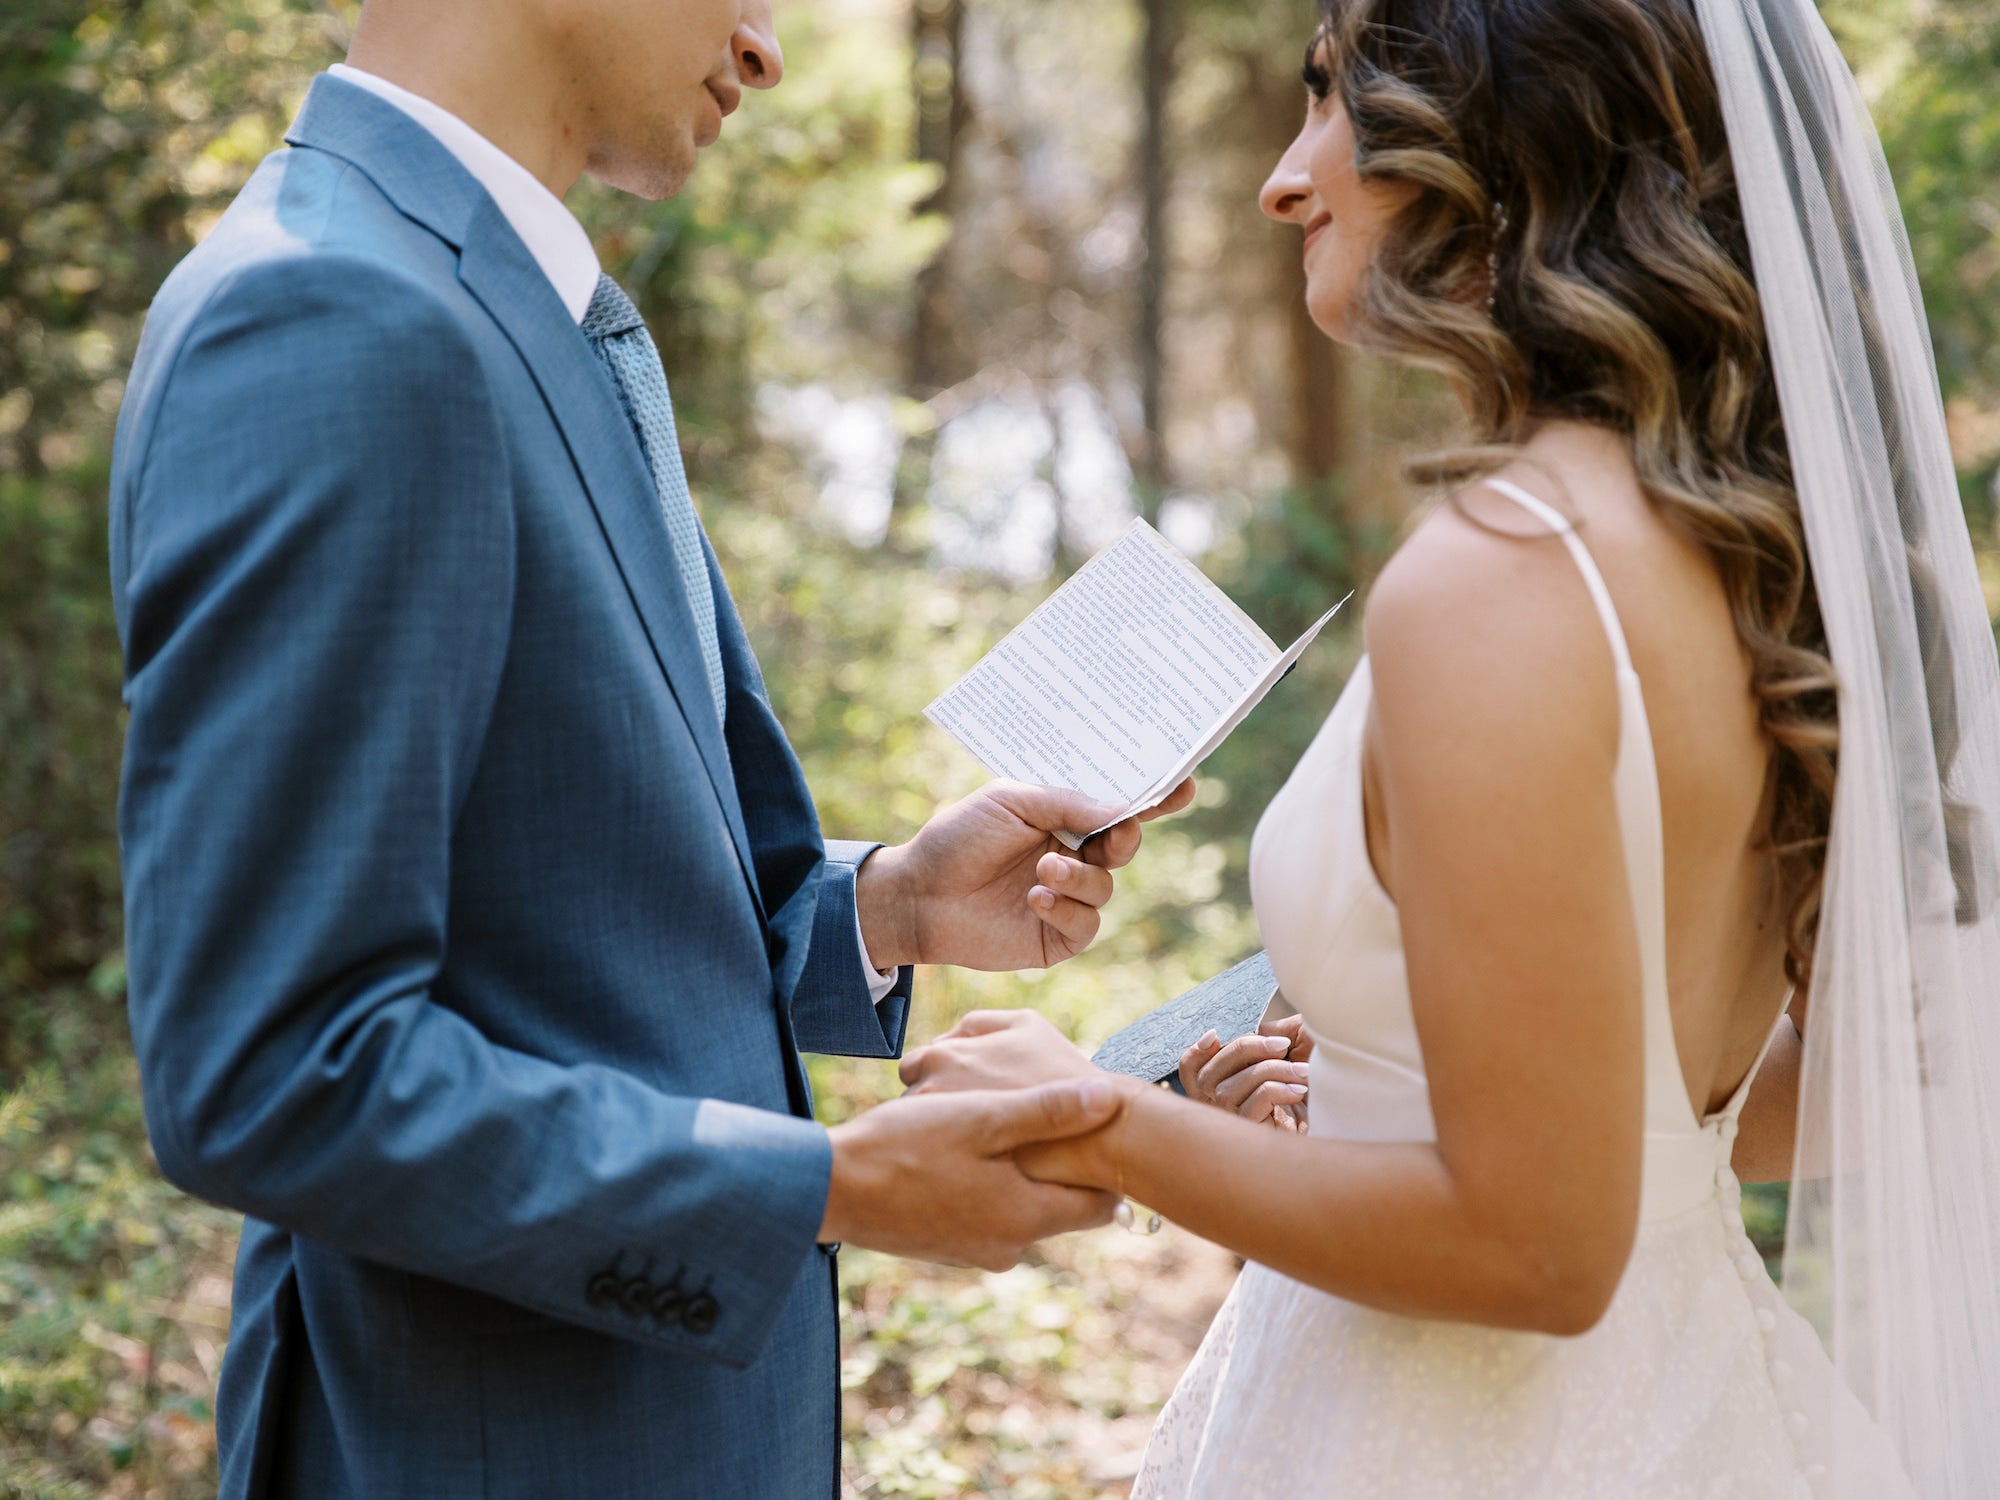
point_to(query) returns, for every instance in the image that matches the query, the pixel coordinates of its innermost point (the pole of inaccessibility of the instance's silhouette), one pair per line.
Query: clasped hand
(995, 1146)
(1262, 1076)
(971, 1172)
(993, 1050)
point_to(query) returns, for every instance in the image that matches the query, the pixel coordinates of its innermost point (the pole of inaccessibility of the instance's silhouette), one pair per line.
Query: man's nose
(760, 63)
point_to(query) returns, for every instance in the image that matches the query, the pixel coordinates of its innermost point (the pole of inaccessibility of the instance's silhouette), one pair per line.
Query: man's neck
(487, 69)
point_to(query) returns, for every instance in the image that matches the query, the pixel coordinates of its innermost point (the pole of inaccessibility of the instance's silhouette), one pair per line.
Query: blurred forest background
(981, 281)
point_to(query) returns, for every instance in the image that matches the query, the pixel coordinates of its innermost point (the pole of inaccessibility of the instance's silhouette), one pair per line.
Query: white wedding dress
(1696, 1383)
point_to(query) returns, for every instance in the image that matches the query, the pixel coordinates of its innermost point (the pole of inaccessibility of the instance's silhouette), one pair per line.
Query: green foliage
(112, 1298)
(126, 125)
(125, 128)
(1930, 69)
(789, 255)
(1286, 564)
(1039, 1384)
(937, 1351)
(59, 719)
(1940, 121)
(1764, 1219)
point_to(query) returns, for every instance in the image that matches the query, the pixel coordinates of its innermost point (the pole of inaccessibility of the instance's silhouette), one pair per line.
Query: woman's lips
(1315, 229)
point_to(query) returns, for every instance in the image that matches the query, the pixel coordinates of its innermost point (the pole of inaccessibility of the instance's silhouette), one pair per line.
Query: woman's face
(1316, 187)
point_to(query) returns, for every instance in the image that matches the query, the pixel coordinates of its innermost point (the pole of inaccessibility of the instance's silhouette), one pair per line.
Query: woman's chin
(1331, 315)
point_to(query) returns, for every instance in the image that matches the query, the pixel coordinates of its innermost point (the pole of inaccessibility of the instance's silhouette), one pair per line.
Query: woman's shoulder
(1481, 573)
(1483, 617)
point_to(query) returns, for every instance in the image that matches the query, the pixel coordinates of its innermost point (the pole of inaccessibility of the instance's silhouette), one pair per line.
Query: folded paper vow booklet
(1232, 1004)
(1121, 683)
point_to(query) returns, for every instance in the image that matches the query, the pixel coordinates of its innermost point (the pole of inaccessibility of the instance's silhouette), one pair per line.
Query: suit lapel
(427, 183)
(498, 270)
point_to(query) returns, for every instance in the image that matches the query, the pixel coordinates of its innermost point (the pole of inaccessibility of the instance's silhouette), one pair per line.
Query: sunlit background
(981, 281)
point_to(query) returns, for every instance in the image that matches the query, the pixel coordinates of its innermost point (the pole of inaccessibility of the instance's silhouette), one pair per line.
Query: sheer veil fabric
(1894, 1242)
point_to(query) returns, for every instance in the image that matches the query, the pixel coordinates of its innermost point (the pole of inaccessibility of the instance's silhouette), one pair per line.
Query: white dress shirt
(560, 247)
(549, 230)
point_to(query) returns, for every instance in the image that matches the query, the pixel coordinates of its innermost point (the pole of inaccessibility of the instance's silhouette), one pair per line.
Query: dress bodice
(1336, 942)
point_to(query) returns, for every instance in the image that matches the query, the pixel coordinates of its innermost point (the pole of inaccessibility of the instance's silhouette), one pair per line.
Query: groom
(477, 911)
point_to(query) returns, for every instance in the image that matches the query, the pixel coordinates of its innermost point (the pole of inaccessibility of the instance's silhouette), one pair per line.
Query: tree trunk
(1156, 72)
(1320, 448)
(937, 39)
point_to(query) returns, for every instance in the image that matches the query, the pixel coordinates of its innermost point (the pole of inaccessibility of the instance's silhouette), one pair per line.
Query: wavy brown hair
(1576, 251)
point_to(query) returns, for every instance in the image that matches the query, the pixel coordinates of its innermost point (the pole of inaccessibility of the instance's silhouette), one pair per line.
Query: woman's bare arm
(1495, 733)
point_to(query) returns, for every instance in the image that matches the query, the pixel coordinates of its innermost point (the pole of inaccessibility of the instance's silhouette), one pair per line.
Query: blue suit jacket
(470, 957)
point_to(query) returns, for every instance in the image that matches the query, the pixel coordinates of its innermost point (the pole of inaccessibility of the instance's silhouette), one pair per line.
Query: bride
(1650, 847)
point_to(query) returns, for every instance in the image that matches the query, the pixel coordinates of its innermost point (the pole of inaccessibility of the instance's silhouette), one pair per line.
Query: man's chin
(654, 177)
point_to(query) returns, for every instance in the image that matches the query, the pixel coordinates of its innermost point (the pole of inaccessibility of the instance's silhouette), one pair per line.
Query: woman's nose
(760, 63)
(1288, 188)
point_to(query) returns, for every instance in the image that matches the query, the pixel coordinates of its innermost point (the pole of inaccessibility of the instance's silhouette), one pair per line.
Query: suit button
(667, 1304)
(699, 1316)
(635, 1295)
(602, 1290)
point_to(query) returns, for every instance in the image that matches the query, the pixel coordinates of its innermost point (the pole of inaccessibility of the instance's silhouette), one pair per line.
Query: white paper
(1121, 682)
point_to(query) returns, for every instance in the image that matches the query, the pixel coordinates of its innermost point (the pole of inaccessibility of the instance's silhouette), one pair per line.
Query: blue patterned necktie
(618, 335)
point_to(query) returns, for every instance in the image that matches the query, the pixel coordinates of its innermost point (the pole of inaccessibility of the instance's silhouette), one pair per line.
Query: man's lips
(1316, 228)
(724, 96)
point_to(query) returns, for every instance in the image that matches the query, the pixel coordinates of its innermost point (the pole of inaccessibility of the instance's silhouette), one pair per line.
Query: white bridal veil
(1894, 1241)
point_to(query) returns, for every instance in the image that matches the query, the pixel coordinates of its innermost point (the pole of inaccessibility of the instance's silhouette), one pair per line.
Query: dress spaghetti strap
(1668, 1108)
(1563, 527)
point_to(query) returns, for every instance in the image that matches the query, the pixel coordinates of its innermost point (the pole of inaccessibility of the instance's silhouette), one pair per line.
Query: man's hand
(985, 884)
(934, 1177)
(995, 1049)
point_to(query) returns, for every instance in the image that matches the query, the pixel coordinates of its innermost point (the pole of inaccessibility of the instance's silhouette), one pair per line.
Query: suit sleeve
(806, 883)
(833, 1010)
(318, 571)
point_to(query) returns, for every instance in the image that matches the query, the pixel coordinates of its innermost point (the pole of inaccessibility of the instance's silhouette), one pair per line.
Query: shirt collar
(549, 230)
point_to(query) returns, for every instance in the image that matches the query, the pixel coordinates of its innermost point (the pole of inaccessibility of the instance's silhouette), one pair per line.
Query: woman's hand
(995, 1049)
(1261, 1076)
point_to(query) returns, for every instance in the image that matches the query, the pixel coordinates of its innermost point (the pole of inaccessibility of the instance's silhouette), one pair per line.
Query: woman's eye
(1318, 76)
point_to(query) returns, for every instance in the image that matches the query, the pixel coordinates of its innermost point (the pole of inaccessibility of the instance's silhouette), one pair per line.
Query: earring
(1493, 252)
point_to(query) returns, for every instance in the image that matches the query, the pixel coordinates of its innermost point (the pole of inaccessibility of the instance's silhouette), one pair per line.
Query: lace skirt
(1700, 1383)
